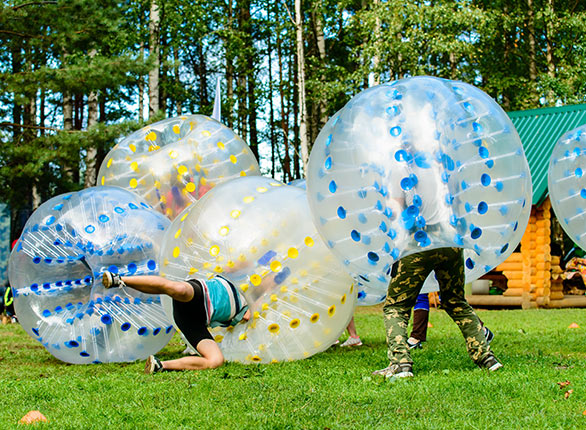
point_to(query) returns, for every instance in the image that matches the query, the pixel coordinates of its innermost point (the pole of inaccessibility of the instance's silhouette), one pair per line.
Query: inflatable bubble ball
(416, 164)
(258, 233)
(567, 183)
(172, 163)
(56, 271)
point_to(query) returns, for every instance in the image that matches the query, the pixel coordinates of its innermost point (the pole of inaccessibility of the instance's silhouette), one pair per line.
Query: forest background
(76, 75)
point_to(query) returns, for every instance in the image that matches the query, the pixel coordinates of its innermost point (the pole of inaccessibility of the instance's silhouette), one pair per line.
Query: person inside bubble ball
(197, 305)
(423, 214)
(408, 276)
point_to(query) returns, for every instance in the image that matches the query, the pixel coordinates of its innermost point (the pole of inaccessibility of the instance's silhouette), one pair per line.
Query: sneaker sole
(400, 375)
(494, 367)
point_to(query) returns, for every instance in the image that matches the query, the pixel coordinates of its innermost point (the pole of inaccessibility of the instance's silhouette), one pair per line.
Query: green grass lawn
(331, 390)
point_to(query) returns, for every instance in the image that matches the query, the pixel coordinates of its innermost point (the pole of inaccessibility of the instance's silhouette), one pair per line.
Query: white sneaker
(352, 341)
(404, 370)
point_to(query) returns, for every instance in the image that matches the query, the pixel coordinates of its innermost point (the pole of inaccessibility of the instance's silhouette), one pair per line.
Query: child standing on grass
(197, 305)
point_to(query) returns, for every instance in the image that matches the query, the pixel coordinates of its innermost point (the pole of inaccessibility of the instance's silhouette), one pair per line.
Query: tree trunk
(293, 76)
(91, 171)
(141, 89)
(154, 52)
(286, 160)
(532, 53)
(202, 75)
(301, 84)
(270, 97)
(550, 34)
(322, 102)
(229, 72)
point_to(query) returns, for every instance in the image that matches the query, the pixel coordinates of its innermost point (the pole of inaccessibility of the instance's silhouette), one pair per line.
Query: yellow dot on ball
(332, 310)
(169, 212)
(152, 136)
(262, 189)
(242, 173)
(109, 163)
(255, 280)
(203, 181)
(248, 199)
(173, 154)
(134, 166)
(292, 253)
(343, 299)
(274, 328)
(314, 318)
(243, 287)
(218, 269)
(157, 185)
(276, 266)
(221, 145)
(242, 336)
(274, 298)
(178, 233)
(284, 289)
(256, 315)
(235, 213)
(190, 187)
(133, 183)
(214, 250)
(294, 323)
(103, 180)
(192, 270)
(176, 129)
(176, 252)
(275, 184)
(308, 241)
(197, 168)
(233, 159)
(265, 307)
(224, 231)
(153, 148)
(206, 133)
(256, 359)
(182, 170)
(184, 216)
(132, 147)
(219, 338)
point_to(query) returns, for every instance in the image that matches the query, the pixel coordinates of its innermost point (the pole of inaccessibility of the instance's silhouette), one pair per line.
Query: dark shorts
(190, 316)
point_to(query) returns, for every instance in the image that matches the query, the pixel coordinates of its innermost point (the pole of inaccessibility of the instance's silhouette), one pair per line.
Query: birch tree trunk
(532, 52)
(301, 85)
(91, 171)
(154, 52)
(141, 89)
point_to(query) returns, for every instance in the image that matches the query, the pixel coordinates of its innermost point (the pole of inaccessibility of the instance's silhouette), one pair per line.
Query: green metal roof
(539, 130)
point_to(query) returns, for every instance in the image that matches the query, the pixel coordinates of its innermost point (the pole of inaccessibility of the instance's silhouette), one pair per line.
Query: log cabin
(532, 276)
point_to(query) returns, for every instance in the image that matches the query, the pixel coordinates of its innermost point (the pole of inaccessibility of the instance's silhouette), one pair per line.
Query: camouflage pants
(408, 277)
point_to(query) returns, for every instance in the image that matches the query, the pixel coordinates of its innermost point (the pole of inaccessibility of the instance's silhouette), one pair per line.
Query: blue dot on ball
(152, 264)
(355, 235)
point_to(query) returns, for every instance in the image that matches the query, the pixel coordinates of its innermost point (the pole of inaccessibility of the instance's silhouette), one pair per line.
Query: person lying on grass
(197, 305)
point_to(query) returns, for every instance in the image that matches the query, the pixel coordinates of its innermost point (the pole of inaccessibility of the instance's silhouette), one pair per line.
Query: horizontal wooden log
(514, 274)
(510, 266)
(489, 300)
(567, 302)
(513, 291)
(515, 256)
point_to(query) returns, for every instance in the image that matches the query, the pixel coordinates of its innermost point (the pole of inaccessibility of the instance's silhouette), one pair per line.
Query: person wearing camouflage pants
(407, 278)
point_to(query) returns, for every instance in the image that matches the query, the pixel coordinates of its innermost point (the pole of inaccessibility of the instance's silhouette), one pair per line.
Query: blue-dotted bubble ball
(174, 162)
(416, 164)
(567, 183)
(372, 282)
(258, 233)
(56, 272)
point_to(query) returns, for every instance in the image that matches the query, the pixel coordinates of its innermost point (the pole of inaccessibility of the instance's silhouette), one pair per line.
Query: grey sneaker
(490, 363)
(112, 280)
(352, 341)
(404, 370)
(414, 343)
(153, 365)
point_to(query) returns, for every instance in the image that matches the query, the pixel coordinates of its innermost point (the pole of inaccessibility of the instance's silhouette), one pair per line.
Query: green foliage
(333, 389)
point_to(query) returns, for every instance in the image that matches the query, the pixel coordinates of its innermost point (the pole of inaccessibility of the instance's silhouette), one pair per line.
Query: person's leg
(211, 358)
(450, 275)
(353, 339)
(406, 282)
(420, 320)
(151, 284)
